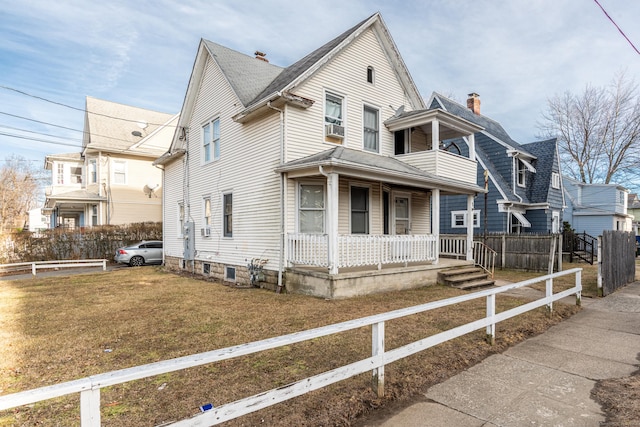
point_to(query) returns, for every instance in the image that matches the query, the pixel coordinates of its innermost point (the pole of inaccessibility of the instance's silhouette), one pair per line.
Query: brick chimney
(261, 56)
(473, 103)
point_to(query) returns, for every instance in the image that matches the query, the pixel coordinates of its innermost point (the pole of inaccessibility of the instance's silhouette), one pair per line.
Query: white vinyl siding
(256, 188)
(344, 75)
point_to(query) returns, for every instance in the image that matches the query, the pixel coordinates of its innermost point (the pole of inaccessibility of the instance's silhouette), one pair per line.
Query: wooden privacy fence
(526, 251)
(89, 387)
(616, 260)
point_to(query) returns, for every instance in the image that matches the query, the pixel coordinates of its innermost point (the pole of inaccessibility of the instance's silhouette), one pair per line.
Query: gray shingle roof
(491, 126)
(298, 68)
(371, 161)
(247, 75)
(545, 151)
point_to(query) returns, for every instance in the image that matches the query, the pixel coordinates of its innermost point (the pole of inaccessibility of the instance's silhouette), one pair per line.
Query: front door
(401, 211)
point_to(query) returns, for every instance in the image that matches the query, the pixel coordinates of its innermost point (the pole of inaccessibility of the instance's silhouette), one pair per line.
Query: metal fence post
(377, 350)
(491, 313)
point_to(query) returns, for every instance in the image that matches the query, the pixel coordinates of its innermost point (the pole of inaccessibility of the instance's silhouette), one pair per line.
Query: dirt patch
(620, 400)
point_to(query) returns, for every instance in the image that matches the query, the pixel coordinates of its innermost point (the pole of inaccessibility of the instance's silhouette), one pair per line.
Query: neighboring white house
(113, 180)
(300, 167)
(593, 208)
(37, 221)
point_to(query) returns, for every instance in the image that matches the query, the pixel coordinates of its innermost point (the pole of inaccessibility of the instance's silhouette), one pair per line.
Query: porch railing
(455, 245)
(359, 250)
(484, 257)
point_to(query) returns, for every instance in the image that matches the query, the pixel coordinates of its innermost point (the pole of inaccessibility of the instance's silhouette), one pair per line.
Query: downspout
(282, 199)
(163, 205)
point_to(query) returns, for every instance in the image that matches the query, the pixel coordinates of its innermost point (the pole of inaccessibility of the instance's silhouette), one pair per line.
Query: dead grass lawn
(60, 329)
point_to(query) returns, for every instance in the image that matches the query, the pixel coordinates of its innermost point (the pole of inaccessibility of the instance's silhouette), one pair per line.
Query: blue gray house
(593, 208)
(524, 180)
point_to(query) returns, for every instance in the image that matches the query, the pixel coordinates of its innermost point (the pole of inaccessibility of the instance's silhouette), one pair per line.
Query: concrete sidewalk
(543, 381)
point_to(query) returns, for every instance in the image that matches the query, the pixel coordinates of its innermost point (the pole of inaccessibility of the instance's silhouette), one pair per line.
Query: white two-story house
(329, 170)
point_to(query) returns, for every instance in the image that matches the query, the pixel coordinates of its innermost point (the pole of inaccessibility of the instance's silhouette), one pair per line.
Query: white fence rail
(89, 388)
(47, 265)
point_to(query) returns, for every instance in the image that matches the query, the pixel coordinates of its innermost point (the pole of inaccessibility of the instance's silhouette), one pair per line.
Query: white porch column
(435, 220)
(472, 146)
(470, 198)
(435, 135)
(332, 221)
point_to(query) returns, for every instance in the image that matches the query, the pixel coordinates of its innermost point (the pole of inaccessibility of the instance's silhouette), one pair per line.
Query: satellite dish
(152, 185)
(399, 111)
(136, 133)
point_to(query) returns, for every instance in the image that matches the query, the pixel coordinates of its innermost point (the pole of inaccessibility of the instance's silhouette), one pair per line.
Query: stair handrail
(484, 257)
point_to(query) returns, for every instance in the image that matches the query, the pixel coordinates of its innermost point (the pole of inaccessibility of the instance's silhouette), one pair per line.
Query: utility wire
(79, 109)
(619, 29)
(38, 140)
(39, 133)
(58, 126)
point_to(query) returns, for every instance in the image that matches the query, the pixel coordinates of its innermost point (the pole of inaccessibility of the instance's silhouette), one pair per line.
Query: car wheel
(136, 261)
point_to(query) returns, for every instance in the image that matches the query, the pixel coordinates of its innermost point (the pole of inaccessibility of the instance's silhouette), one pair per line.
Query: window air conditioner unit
(205, 232)
(333, 130)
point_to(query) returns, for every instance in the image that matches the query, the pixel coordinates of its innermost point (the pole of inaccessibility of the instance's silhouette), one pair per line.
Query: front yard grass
(63, 328)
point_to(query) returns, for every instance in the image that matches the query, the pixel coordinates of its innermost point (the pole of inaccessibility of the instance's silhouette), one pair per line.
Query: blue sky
(515, 54)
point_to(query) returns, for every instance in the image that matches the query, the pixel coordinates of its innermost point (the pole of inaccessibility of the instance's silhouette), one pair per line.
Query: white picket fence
(89, 387)
(48, 265)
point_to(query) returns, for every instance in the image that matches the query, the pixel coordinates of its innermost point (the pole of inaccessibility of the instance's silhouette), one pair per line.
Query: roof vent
(136, 133)
(261, 56)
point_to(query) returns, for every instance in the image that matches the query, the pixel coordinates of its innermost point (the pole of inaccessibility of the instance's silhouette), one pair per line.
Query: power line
(58, 126)
(38, 140)
(76, 108)
(37, 133)
(619, 29)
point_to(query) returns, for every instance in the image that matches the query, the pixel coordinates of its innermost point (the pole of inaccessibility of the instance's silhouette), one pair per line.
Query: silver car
(145, 252)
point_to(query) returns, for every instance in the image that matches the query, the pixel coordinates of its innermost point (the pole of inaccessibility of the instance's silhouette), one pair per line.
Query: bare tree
(598, 131)
(19, 186)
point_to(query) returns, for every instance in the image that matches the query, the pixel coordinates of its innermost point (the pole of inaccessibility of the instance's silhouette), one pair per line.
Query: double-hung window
(60, 173)
(180, 218)
(119, 172)
(207, 212)
(311, 209)
(359, 210)
(211, 140)
(371, 133)
(522, 172)
(93, 171)
(94, 215)
(227, 219)
(333, 109)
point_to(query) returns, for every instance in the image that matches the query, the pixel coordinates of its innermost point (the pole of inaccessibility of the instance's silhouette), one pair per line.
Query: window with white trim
(207, 212)
(333, 109)
(120, 172)
(93, 171)
(76, 174)
(94, 215)
(60, 173)
(211, 140)
(555, 180)
(522, 172)
(180, 218)
(311, 208)
(227, 220)
(459, 219)
(371, 135)
(359, 210)
(370, 75)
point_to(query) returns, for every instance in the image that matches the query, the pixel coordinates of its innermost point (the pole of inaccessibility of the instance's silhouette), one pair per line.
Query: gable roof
(492, 128)
(110, 126)
(256, 82)
(247, 76)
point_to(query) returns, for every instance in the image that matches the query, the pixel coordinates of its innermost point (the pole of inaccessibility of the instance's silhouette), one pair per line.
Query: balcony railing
(361, 250)
(443, 163)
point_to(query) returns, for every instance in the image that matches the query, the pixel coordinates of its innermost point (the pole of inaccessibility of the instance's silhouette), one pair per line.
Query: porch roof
(364, 165)
(72, 197)
(451, 125)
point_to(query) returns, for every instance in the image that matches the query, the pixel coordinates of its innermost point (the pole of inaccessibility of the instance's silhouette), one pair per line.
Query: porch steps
(465, 278)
